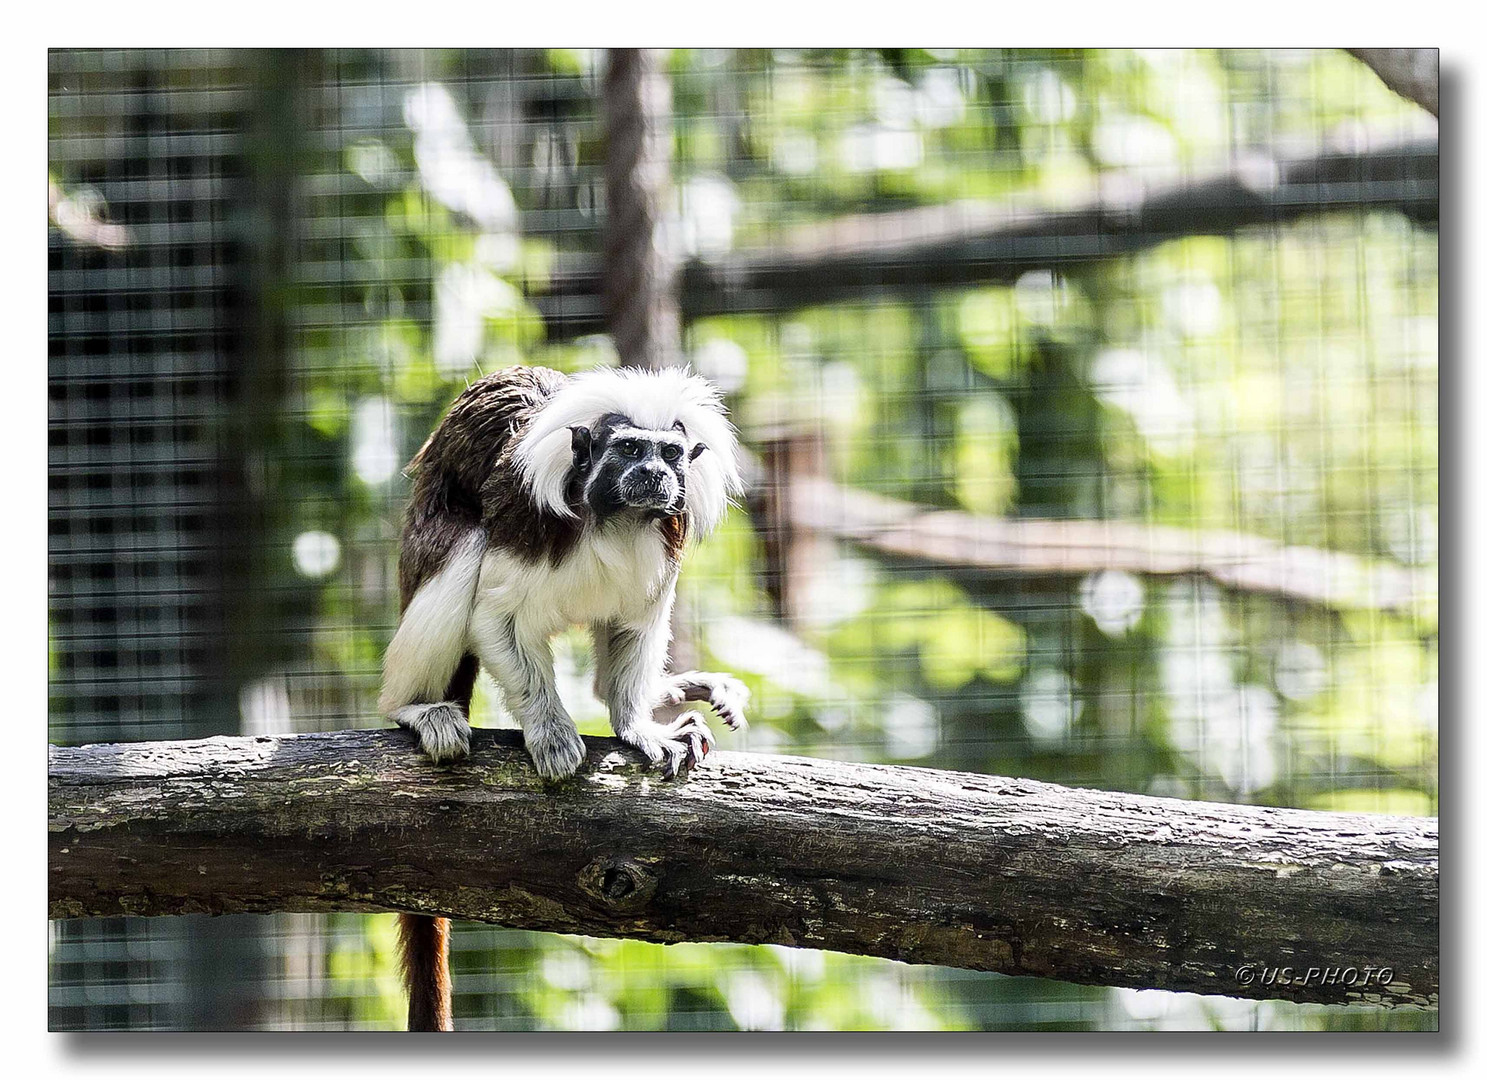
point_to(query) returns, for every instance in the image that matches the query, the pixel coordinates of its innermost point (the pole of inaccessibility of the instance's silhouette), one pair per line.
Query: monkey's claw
(676, 746)
(727, 695)
(686, 741)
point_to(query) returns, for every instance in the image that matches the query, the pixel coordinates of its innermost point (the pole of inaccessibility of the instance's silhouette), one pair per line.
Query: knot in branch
(618, 884)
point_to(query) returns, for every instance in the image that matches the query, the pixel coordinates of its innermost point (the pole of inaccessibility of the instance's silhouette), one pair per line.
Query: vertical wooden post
(792, 555)
(640, 264)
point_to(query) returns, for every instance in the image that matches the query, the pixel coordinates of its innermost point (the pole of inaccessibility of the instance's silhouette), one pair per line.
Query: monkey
(539, 502)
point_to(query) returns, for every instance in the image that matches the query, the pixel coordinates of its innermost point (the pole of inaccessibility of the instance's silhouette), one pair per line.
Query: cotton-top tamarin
(540, 502)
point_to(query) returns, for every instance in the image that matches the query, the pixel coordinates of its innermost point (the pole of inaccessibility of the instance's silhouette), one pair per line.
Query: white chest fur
(611, 574)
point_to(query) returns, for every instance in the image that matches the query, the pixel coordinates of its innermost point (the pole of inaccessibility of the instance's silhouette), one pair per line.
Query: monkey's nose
(651, 482)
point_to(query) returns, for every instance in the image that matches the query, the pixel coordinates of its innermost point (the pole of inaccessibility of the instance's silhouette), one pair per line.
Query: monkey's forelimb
(520, 660)
(630, 661)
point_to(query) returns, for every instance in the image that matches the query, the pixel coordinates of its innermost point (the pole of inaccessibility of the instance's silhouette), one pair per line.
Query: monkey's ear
(696, 450)
(583, 441)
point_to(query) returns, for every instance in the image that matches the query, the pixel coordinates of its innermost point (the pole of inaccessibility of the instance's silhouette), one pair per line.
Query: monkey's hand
(442, 730)
(723, 692)
(677, 745)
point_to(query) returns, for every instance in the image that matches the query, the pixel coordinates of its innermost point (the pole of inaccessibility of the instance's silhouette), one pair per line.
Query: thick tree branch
(975, 243)
(914, 864)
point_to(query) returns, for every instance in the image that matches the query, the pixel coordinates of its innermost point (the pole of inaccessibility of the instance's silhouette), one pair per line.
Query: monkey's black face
(618, 466)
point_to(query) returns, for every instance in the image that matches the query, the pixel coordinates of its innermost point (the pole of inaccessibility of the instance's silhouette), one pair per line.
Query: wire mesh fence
(1090, 399)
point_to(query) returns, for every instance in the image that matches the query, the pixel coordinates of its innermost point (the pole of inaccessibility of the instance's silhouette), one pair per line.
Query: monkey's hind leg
(443, 727)
(443, 730)
(428, 673)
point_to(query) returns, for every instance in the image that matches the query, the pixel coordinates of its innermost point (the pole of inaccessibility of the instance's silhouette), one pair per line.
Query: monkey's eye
(671, 452)
(628, 447)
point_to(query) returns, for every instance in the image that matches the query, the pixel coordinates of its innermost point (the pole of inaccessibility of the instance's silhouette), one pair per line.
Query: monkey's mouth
(650, 495)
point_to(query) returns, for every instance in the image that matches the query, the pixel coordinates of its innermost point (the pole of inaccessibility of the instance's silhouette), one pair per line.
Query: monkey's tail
(423, 942)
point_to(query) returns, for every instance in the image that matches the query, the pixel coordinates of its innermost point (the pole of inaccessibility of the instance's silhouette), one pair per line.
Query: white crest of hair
(654, 400)
(431, 638)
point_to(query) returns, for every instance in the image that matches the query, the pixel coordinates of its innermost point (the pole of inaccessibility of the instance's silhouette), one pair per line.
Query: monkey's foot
(556, 750)
(442, 730)
(680, 744)
(723, 692)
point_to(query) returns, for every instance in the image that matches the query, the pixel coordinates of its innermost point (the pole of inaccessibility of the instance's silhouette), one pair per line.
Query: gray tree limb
(1413, 74)
(913, 864)
(1030, 549)
(981, 243)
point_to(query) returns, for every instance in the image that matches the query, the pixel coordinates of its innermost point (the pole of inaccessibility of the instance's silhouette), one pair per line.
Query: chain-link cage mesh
(1145, 344)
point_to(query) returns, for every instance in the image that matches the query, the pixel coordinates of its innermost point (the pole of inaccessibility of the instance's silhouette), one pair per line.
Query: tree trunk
(640, 268)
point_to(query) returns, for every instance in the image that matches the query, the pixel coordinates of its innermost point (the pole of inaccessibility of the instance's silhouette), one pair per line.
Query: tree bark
(913, 864)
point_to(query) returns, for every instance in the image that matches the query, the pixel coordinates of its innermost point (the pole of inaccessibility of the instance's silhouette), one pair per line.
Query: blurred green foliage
(1279, 382)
